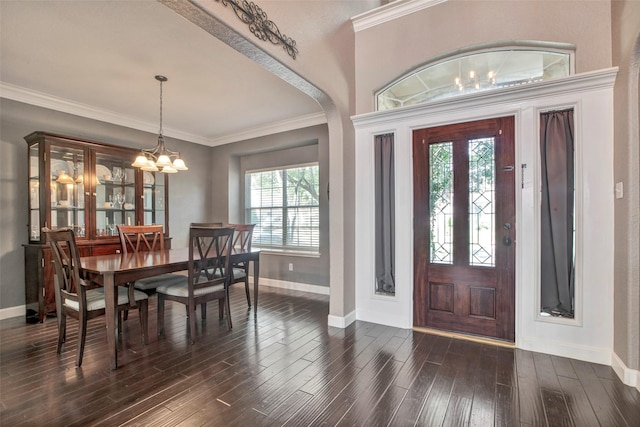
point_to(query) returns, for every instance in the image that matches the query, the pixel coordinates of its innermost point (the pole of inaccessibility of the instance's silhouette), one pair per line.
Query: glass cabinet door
(115, 194)
(154, 198)
(34, 192)
(67, 187)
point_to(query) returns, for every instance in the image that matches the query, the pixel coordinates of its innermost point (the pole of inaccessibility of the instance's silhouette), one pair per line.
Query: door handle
(506, 240)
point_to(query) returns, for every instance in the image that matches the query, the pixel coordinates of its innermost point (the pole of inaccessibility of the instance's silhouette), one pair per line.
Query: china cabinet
(90, 187)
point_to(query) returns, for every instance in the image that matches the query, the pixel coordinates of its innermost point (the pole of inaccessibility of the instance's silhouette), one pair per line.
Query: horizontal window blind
(284, 205)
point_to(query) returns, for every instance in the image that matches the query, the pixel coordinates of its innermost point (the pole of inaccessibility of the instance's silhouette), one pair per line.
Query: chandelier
(160, 158)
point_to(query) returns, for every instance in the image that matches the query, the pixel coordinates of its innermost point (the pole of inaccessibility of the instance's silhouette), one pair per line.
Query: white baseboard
(17, 311)
(630, 377)
(341, 322)
(335, 321)
(559, 348)
(387, 318)
(314, 289)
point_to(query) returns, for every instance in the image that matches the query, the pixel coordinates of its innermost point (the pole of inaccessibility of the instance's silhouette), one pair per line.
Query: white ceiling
(98, 59)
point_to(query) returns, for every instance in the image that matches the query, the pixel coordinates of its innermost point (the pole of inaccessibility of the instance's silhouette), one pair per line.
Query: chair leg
(160, 315)
(228, 303)
(143, 313)
(62, 330)
(191, 333)
(221, 308)
(125, 315)
(246, 290)
(82, 335)
(203, 310)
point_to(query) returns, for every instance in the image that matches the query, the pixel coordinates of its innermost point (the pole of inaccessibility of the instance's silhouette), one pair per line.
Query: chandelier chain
(160, 108)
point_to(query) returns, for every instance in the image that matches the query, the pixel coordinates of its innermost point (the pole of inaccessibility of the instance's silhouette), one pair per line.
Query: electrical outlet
(290, 266)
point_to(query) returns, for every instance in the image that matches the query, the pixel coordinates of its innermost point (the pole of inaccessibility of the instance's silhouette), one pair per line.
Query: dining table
(118, 269)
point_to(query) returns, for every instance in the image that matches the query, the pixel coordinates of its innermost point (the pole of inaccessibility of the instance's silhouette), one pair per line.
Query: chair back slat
(66, 261)
(136, 238)
(208, 260)
(243, 236)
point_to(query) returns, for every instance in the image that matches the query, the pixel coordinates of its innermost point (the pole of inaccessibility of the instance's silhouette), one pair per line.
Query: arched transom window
(475, 71)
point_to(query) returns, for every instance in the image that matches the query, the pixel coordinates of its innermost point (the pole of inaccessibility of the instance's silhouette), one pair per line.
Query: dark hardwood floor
(288, 368)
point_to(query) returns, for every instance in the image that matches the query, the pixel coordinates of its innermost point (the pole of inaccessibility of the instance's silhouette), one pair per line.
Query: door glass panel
(67, 189)
(115, 194)
(441, 202)
(482, 202)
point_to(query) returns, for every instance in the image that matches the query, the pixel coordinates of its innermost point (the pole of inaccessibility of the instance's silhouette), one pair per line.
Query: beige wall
(228, 164)
(389, 50)
(626, 55)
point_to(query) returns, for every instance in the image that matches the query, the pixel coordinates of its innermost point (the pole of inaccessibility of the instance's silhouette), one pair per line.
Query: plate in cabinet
(103, 172)
(148, 178)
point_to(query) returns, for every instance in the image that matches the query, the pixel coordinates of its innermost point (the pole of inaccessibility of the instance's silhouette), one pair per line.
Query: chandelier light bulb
(141, 161)
(163, 161)
(179, 165)
(150, 166)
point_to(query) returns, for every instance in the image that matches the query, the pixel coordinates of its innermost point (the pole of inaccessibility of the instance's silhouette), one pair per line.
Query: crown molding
(39, 99)
(276, 127)
(389, 12)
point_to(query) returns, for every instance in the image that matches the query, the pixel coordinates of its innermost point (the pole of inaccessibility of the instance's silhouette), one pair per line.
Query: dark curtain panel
(385, 214)
(556, 153)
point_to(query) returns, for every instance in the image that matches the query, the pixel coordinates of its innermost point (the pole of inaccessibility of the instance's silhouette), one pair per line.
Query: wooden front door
(464, 228)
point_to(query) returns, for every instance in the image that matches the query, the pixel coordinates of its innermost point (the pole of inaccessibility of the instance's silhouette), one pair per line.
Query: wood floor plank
(382, 413)
(458, 412)
(578, 403)
(625, 398)
(545, 372)
(434, 409)
(555, 409)
(530, 399)
(287, 409)
(410, 407)
(286, 366)
(507, 412)
(485, 382)
(506, 367)
(606, 412)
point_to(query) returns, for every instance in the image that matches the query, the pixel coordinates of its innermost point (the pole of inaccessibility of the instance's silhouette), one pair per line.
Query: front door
(464, 228)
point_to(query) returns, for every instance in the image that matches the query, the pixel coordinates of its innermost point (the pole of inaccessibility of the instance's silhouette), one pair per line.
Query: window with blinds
(284, 206)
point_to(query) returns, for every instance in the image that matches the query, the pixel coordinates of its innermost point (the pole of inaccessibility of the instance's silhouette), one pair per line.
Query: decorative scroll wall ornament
(264, 29)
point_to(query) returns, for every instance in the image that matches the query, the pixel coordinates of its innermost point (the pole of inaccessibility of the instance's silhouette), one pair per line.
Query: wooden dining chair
(208, 279)
(140, 238)
(242, 243)
(76, 298)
